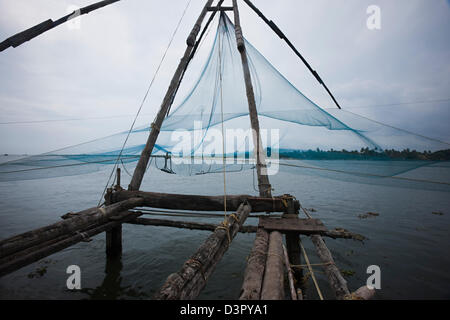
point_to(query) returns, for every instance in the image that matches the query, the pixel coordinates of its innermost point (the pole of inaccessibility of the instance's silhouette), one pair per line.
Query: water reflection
(111, 288)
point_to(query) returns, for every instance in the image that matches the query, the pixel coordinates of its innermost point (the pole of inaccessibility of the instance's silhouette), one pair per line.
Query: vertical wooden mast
(264, 186)
(139, 171)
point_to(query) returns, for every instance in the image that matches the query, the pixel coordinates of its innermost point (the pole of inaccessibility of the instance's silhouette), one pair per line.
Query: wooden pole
(114, 235)
(139, 171)
(273, 284)
(187, 283)
(42, 250)
(334, 276)
(265, 189)
(80, 221)
(256, 264)
(24, 36)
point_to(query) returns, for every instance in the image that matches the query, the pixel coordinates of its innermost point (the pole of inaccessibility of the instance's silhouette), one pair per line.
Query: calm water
(409, 243)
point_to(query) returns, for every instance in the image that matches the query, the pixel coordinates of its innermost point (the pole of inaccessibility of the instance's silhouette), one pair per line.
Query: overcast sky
(104, 67)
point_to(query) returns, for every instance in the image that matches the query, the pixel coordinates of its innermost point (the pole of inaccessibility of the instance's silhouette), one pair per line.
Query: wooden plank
(303, 226)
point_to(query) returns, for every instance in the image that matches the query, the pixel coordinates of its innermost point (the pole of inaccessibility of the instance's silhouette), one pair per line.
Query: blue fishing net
(212, 123)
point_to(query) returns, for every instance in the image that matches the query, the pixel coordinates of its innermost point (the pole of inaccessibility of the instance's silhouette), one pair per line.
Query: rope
(143, 101)
(196, 264)
(223, 132)
(225, 226)
(311, 272)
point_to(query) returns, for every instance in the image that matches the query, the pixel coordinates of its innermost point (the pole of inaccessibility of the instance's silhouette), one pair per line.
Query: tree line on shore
(366, 154)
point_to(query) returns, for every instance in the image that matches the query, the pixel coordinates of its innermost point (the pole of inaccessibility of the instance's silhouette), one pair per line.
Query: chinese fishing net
(297, 135)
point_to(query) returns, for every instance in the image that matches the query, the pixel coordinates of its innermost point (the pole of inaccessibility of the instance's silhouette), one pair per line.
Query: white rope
(223, 128)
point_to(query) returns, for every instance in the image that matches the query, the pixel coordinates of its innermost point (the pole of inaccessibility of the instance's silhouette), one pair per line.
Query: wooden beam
(265, 189)
(141, 167)
(220, 8)
(20, 259)
(256, 264)
(187, 283)
(83, 220)
(273, 284)
(200, 202)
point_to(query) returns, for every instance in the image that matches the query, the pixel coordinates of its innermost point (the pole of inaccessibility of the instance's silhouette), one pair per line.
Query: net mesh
(298, 136)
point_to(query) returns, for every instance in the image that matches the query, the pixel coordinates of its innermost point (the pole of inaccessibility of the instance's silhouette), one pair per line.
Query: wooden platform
(303, 226)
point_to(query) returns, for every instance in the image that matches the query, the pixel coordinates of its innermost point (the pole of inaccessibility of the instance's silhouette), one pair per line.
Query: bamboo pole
(139, 171)
(273, 283)
(256, 264)
(82, 220)
(187, 283)
(265, 189)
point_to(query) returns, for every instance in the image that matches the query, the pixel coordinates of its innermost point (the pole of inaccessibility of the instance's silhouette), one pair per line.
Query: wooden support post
(114, 242)
(273, 283)
(265, 189)
(256, 264)
(187, 283)
(118, 178)
(139, 171)
(114, 235)
(293, 239)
